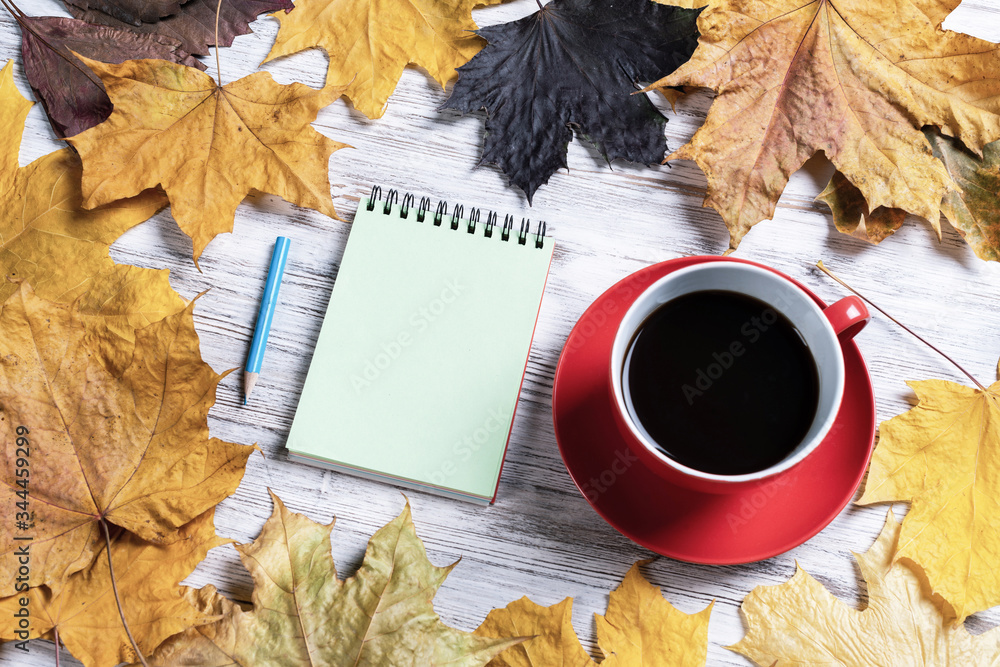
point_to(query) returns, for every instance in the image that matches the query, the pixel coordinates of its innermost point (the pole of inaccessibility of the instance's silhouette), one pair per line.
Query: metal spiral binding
(475, 214)
(442, 211)
(375, 196)
(390, 198)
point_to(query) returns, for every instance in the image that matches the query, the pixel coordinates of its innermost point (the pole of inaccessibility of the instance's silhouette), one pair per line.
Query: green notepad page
(419, 363)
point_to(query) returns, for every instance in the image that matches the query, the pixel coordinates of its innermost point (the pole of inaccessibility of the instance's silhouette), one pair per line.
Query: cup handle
(847, 316)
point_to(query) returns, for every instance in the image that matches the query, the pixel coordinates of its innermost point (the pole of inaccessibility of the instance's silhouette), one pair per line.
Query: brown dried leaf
(72, 95)
(851, 214)
(132, 11)
(132, 448)
(148, 577)
(194, 25)
(852, 78)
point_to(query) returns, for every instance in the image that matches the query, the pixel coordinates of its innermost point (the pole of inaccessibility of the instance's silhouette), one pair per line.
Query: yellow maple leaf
(369, 43)
(944, 456)
(13, 110)
(303, 615)
(552, 643)
(120, 300)
(85, 613)
(852, 78)
(130, 448)
(801, 623)
(639, 629)
(47, 240)
(207, 146)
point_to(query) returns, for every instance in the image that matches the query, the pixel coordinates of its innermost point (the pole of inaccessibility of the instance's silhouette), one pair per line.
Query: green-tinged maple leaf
(303, 615)
(573, 64)
(973, 208)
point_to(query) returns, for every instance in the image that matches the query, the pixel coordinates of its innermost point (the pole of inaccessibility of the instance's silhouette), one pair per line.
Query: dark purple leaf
(72, 95)
(574, 64)
(194, 25)
(132, 12)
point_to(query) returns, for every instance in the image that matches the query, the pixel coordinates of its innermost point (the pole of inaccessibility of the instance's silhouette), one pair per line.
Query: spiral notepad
(419, 363)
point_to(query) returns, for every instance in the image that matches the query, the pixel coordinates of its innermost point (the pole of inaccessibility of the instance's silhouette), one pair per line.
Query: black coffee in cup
(721, 382)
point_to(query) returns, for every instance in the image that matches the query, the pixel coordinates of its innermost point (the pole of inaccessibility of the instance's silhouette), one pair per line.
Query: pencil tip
(249, 380)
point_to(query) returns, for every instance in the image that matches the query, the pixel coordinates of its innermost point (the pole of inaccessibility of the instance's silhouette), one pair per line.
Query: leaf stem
(118, 601)
(218, 68)
(55, 632)
(901, 325)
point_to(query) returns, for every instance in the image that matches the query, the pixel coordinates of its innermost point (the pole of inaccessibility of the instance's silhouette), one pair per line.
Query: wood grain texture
(541, 538)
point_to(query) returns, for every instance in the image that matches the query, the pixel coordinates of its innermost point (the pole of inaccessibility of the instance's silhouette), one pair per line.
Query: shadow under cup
(819, 328)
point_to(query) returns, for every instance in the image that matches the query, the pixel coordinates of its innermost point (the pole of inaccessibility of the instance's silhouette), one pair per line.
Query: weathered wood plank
(541, 538)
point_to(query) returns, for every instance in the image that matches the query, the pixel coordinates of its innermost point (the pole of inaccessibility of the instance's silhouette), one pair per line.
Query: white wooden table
(541, 538)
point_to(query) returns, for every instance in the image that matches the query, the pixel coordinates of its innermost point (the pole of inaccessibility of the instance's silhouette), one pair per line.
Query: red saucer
(760, 522)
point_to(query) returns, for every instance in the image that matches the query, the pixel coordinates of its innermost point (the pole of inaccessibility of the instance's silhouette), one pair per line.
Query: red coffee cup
(821, 328)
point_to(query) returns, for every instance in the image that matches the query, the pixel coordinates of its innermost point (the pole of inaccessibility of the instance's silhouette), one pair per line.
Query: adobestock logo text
(723, 360)
(465, 448)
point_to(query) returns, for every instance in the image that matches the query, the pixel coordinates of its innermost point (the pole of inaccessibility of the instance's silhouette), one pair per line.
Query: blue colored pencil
(265, 315)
